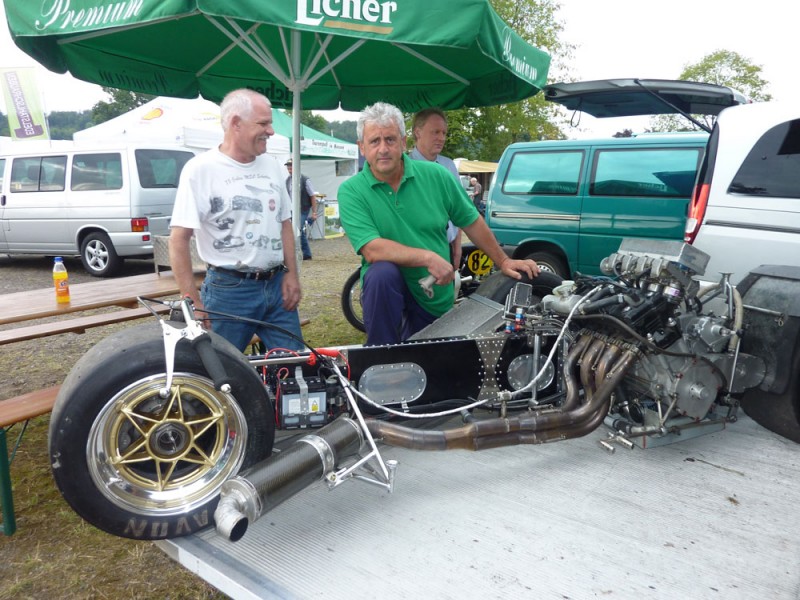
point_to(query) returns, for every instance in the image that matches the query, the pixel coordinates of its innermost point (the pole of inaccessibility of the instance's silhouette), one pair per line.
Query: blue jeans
(260, 300)
(391, 314)
(303, 238)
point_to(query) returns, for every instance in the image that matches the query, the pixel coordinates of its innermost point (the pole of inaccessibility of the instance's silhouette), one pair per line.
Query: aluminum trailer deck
(716, 516)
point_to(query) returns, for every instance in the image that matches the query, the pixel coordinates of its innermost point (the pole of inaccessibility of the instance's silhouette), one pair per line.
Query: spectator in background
(429, 130)
(308, 207)
(232, 199)
(477, 194)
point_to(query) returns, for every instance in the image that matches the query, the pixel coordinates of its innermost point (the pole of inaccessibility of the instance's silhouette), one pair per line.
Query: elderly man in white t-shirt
(234, 200)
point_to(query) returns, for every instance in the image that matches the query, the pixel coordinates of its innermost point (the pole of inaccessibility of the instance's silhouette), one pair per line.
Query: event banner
(25, 116)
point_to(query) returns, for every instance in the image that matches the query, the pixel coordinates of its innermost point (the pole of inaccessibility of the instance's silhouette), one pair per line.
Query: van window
(645, 172)
(772, 165)
(544, 173)
(53, 174)
(38, 174)
(2, 172)
(96, 171)
(160, 168)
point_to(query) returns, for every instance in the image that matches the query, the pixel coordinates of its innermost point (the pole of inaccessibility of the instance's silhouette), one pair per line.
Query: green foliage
(721, 67)
(317, 122)
(344, 130)
(121, 102)
(64, 123)
(483, 133)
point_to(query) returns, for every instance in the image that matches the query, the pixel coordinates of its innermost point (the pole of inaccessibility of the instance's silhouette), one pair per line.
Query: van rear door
(636, 97)
(158, 172)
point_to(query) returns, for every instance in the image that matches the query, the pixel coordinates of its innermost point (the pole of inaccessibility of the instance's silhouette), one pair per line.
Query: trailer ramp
(717, 516)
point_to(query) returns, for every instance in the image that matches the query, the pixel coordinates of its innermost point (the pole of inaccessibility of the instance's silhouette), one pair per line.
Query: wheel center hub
(169, 440)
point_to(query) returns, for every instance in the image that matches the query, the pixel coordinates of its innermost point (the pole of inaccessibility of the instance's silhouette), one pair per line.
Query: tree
(63, 124)
(317, 122)
(344, 130)
(721, 67)
(483, 133)
(121, 102)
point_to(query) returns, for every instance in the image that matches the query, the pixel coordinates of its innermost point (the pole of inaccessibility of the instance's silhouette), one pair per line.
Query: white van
(103, 204)
(746, 207)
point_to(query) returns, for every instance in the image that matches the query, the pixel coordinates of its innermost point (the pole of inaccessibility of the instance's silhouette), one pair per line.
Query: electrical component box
(303, 403)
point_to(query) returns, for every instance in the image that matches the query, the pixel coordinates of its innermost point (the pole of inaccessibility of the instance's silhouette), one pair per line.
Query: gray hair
(238, 103)
(382, 115)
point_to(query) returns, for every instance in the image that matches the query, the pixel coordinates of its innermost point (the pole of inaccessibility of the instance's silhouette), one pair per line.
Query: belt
(255, 275)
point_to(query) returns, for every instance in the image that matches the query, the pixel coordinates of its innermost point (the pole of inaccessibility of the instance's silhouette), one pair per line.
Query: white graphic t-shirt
(236, 209)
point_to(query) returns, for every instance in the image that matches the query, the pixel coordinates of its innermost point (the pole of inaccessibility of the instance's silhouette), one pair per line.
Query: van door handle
(2, 199)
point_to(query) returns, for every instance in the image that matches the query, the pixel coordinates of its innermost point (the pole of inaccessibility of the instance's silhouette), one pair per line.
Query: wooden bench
(20, 409)
(77, 324)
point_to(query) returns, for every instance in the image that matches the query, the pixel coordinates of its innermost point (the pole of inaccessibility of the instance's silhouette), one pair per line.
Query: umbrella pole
(295, 79)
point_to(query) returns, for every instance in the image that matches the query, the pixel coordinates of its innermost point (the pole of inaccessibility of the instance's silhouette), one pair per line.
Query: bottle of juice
(61, 281)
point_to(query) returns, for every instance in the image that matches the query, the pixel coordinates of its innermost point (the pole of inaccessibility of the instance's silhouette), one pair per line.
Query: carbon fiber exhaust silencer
(265, 485)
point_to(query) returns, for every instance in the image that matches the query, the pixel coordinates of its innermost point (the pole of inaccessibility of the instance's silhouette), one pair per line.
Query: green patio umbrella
(310, 54)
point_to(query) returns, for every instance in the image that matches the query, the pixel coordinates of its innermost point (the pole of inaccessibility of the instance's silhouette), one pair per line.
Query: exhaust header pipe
(600, 363)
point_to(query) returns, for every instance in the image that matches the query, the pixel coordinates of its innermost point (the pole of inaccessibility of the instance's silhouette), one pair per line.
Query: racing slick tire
(142, 464)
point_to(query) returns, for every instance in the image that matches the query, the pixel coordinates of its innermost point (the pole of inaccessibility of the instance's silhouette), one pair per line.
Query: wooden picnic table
(120, 291)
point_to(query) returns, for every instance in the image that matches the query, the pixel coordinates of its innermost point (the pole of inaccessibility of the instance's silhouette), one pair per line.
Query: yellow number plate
(478, 263)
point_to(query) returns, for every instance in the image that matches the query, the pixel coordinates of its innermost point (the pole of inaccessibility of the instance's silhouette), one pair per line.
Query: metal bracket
(173, 335)
(384, 477)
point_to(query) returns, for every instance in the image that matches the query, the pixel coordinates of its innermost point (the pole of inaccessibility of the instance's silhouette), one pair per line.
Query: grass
(54, 553)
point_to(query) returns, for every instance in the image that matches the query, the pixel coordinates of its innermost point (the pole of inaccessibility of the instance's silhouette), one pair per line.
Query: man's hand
(441, 269)
(513, 267)
(310, 220)
(290, 289)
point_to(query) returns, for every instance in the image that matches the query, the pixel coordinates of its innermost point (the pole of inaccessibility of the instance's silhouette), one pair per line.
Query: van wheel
(550, 263)
(98, 255)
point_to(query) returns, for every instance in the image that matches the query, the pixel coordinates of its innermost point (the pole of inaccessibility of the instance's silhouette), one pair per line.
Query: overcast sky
(614, 38)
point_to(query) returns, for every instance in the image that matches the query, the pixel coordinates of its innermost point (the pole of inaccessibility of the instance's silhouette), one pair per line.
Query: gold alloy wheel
(160, 455)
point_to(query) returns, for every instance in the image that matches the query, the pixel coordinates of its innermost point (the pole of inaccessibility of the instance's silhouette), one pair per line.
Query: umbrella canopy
(335, 54)
(411, 53)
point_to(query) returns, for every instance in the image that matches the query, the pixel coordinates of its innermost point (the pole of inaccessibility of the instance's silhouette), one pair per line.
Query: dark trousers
(391, 314)
(303, 236)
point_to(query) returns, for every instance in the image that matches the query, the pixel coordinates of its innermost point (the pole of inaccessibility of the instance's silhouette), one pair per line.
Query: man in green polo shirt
(395, 213)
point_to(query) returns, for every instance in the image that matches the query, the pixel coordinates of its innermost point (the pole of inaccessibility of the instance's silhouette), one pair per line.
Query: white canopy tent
(194, 124)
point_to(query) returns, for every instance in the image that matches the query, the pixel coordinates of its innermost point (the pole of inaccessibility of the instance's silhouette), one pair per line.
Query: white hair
(238, 103)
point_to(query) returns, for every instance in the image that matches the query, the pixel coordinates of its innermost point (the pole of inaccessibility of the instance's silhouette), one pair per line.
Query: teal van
(567, 204)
